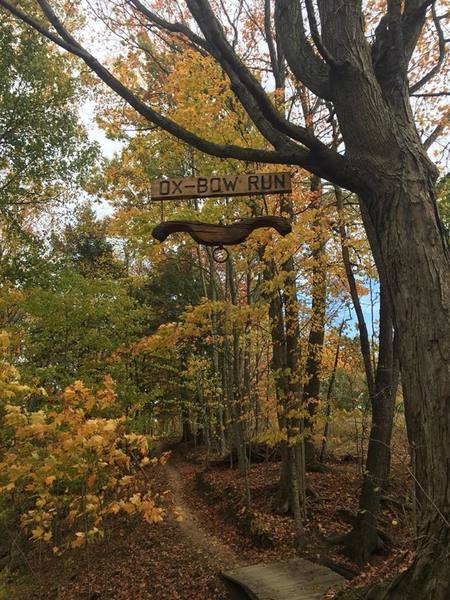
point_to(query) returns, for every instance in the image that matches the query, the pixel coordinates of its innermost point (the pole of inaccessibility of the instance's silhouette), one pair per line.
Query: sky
(87, 114)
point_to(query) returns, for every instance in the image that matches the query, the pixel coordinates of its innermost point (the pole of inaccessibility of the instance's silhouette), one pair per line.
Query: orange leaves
(91, 479)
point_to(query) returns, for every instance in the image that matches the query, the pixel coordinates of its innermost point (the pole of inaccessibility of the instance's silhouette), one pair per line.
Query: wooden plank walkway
(296, 579)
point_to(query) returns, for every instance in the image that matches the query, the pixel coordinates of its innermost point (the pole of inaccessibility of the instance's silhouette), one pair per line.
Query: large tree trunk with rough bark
(400, 215)
(417, 265)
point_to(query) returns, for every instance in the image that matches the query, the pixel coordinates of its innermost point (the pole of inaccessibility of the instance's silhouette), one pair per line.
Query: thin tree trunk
(311, 388)
(363, 540)
(235, 384)
(329, 392)
(215, 353)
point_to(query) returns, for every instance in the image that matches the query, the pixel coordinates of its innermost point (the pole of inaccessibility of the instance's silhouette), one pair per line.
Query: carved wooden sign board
(224, 185)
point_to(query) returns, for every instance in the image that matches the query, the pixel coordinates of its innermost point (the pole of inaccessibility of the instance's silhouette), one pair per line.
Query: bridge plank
(296, 579)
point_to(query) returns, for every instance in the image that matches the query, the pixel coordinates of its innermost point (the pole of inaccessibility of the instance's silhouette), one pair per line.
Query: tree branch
(277, 65)
(433, 136)
(272, 125)
(67, 42)
(305, 64)
(323, 51)
(413, 19)
(331, 166)
(442, 54)
(243, 82)
(168, 26)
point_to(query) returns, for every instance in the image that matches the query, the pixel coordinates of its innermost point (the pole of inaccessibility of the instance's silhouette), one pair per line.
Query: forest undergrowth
(182, 557)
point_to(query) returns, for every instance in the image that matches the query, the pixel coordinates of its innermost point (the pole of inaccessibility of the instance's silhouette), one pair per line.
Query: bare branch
(442, 54)
(413, 19)
(168, 26)
(433, 136)
(277, 64)
(431, 95)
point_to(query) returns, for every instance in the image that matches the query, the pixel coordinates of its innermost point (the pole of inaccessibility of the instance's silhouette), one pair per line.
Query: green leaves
(44, 151)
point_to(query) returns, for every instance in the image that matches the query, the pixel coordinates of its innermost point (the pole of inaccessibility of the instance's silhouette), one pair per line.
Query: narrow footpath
(193, 530)
(293, 579)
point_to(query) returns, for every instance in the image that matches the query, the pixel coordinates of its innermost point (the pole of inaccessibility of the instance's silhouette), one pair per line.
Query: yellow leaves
(95, 441)
(126, 480)
(143, 445)
(8, 487)
(138, 441)
(37, 533)
(89, 455)
(114, 507)
(4, 342)
(110, 426)
(78, 395)
(14, 416)
(37, 418)
(79, 540)
(197, 86)
(91, 479)
(107, 396)
(150, 512)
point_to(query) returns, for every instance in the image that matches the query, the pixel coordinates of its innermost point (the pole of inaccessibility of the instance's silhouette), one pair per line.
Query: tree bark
(416, 258)
(316, 339)
(363, 540)
(234, 386)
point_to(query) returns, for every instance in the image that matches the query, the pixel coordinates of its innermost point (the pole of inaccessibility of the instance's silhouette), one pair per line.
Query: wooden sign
(226, 185)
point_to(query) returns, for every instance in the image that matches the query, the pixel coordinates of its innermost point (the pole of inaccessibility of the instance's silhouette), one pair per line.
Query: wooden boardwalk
(295, 579)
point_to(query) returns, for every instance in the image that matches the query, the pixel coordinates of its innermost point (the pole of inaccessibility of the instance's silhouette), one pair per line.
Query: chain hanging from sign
(214, 235)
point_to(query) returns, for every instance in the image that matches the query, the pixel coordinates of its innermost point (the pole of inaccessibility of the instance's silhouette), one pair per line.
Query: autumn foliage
(67, 466)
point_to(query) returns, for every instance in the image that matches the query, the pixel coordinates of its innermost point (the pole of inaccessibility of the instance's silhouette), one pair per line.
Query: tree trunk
(329, 392)
(285, 357)
(311, 389)
(416, 257)
(187, 433)
(234, 387)
(220, 428)
(363, 540)
(292, 480)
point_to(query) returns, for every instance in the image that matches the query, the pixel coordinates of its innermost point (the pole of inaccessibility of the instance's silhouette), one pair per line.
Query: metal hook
(220, 254)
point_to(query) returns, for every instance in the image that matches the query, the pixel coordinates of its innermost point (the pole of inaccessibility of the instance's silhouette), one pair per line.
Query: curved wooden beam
(221, 235)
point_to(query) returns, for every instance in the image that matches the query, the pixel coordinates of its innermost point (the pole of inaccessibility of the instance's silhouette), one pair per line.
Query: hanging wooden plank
(211, 234)
(223, 185)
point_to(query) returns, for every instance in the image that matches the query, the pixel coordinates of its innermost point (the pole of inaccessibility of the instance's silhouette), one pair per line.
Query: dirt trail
(193, 530)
